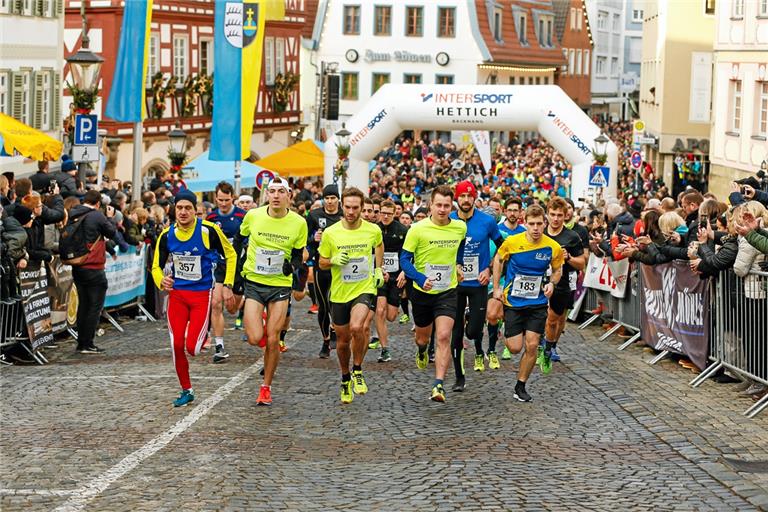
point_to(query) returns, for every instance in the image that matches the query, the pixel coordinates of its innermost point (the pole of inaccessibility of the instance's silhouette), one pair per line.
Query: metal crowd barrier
(13, 328)
(739, 340)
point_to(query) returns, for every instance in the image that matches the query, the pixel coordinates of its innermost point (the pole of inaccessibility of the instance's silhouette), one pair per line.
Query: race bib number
(391, 262)
(440, 275)
(188, 268)
(471, 272)
(269, 261)
(356, 270)
(572, 280)
(526, 287)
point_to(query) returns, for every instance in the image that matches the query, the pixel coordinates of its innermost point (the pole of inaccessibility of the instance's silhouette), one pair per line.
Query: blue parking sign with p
(86, 129)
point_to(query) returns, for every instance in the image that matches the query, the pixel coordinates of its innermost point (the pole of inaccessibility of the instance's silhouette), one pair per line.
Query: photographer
(36, 230)
(66, 177)
(747, 189)
(41, 180)
(53, 207)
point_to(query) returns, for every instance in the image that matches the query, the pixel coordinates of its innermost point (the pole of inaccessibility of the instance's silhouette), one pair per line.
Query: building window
(280, 55)
(349, 86)
(382, 20)
(447, 22)
(5, 6)
(565, 55)
(205, 66)
(546, 80)
(549, 33)
(530, 80)
(521, 29)
(635, 50)
(709, 6)
(377, 80)
(351, 19)
(26, 96)
(737, 9)
(602, 20)
(411, 78)
(153, 54)
(637, 15)
(577, 71)
(600, 66)
(571, 64)
(616, 22)
(414, 21)
(736, 98)
(762, 109)
(586, 62)
(444, 79)
(497, 24)
(572, 18)
(614, 66)
(5, 107)
(538, 80)
(763, 9)
(579, 16)
(45, 102)
(27, 9)
(269, 60)
(180, 57)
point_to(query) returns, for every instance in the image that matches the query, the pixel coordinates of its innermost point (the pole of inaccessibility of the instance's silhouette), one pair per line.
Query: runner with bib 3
(529, 256)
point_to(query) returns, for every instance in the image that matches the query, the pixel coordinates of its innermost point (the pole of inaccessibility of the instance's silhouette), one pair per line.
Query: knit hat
(31, 201)
(67, 165)
(186, 195)
(466, 187)
(22, 214)
(330, 190)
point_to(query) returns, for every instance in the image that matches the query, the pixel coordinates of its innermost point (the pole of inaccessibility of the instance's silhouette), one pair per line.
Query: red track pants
(188, 314)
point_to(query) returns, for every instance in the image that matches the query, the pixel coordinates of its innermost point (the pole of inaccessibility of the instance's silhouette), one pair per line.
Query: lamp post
(177, 148)
(601, 145)
(342, 151)
(85, 67)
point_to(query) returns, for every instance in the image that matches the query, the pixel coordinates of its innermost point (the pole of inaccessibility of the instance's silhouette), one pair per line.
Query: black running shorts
(428, 306)
(528, 319)
(341, 313)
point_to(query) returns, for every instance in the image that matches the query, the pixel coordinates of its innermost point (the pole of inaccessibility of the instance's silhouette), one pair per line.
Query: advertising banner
(37, 304)
(60, 288)
(607, 275)
(675, 312)
(126, 277)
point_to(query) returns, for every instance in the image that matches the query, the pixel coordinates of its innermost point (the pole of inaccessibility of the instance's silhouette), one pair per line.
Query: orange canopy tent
(303, 159)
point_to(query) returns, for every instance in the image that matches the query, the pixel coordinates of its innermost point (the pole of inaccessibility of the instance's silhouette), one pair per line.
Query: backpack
(73, 249)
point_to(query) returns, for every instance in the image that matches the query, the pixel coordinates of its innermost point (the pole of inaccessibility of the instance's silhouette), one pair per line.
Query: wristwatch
(228, 286)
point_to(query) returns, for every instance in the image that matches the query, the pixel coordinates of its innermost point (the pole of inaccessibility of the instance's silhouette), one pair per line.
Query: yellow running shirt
(270, 241)
(356, 277)
(434, 251)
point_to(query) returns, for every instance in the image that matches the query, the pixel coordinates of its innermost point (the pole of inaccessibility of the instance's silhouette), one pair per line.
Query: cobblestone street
(605, 431)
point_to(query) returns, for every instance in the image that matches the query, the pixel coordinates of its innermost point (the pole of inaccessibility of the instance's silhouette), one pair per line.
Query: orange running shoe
(313, 309)
(283, 346)
(265, 396)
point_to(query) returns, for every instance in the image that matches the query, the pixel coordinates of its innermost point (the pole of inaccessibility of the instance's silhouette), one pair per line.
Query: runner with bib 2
(432, 255)
(529, 256)
(482, 229)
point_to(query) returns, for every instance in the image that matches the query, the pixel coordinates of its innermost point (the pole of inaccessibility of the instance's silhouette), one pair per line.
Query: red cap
(466, 187)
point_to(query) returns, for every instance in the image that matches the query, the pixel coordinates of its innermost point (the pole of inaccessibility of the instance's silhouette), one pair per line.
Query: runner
(528, 256)
(473, 290)
(277, 237)
(318, 221)
(431, 257)
(369, 216)
(388, 296)
(562, 298)
(227, 217)
(195, 247)
(347, 250)
(513, 214)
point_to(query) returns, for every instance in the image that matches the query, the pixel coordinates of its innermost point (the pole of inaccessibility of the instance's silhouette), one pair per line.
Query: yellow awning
(302, 159)
(28, 142)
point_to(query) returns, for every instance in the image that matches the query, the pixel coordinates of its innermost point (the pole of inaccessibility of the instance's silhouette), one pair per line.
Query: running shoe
(283, 346)
(238, 323)
(374, 344)
(325, 351)
(506, 355)
(546, 360)
(493, 361)
(540, 355)
(555, 357)
(358, 383)
(265, 396)
(185, 397)
(479, 363)
(522, 395)
(220, 356)
(438, 394)
(93, 349)
(422, 360)
(313, 309)
(346, 392)
(460, 384)
(385, 356)
(404, 319)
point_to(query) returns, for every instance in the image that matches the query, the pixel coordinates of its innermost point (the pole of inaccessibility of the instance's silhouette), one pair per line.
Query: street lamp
(600, 153)
(177, 148)
(342, 151)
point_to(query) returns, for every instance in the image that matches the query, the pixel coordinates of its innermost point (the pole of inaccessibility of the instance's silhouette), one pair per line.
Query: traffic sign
(263, 175)
(639, 126)
(599, 175)
(636, 159)
(88, 153)
(647, 140)
(86, 129)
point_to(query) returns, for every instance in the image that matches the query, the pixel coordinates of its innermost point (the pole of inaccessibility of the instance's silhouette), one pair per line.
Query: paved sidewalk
(606, 431)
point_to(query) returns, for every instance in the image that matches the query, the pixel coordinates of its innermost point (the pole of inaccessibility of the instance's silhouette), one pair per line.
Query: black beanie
(186, 195)
(331, 190)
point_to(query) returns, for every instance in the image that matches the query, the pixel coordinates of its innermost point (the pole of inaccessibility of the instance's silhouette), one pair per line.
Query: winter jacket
(736, 198)
(14, 239)
(94, 225)
(671, 251)
(758, 239)
(747, 260)
(650, 255)
(712, 263)
(134, 234)
(41, 181)
(67, 183)
(36, 242)
(50, 215)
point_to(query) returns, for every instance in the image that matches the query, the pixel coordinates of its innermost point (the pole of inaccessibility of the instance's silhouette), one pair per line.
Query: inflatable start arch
(544, 108)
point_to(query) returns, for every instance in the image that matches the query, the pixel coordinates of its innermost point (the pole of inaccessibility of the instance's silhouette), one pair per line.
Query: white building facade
(607, 21)
(739, 133)
(31, 62)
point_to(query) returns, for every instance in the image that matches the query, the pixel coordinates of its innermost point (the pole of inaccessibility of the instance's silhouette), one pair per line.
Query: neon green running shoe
(493, 361)
(404, 319)
(346, 392)
(374, 344)
(546, 360)
(479, 363)
(358, 383)
(438, 394)
(506, 355)
(540, 356)
(422, 360)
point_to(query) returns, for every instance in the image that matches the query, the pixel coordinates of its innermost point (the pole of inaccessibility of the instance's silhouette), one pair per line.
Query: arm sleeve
(758, 240)
(761, 197)
(54, 213)
(406, 263)
(744, 258)
(160, 257)
(297, 258)
(220, 244)
(736, 198)
(460, 253)
(715, 262)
